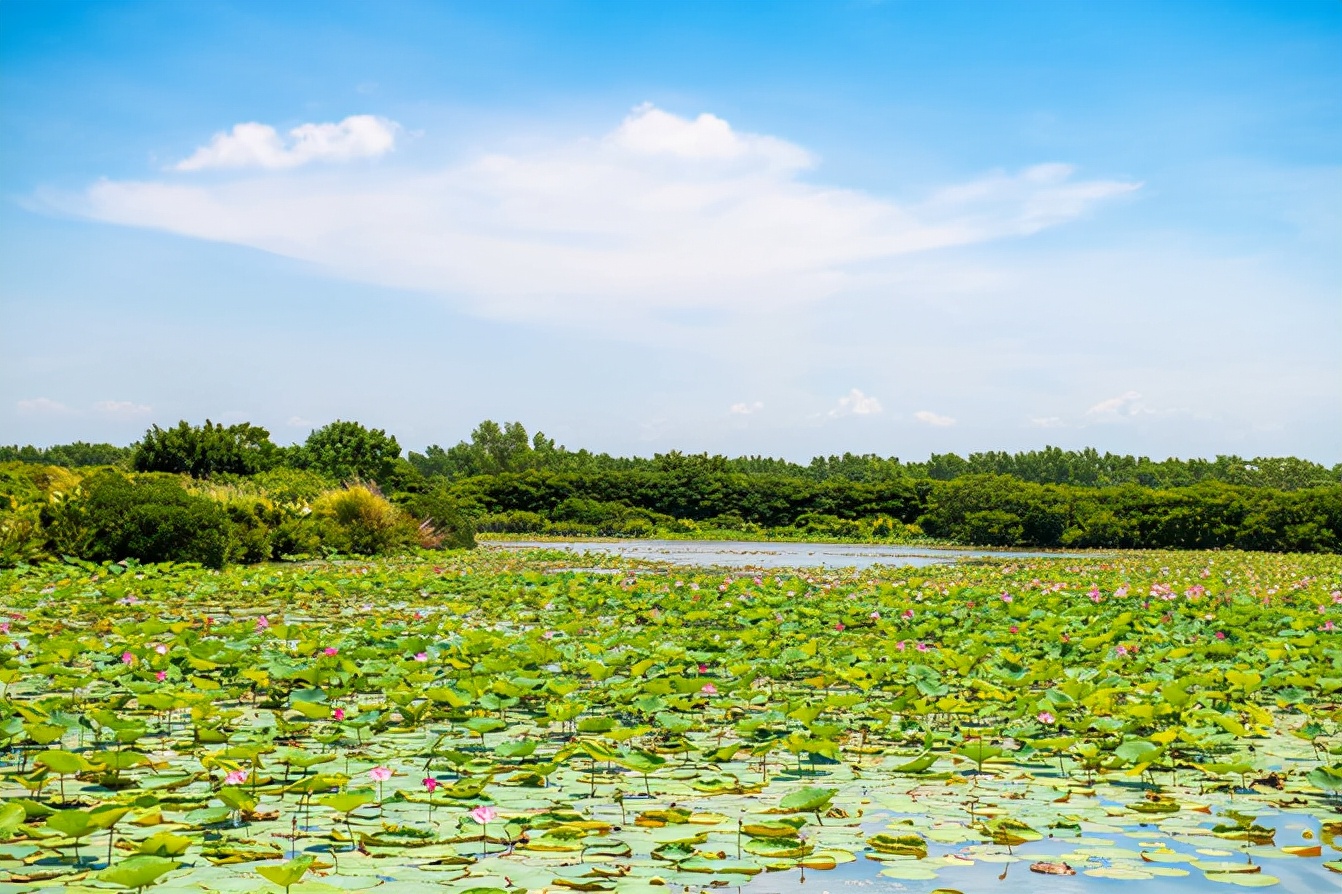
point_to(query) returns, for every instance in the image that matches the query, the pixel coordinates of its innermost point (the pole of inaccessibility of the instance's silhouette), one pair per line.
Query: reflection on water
(741, 554)
(994, 869)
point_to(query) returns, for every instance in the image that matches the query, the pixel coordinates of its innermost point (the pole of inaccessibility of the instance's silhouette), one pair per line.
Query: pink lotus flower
(1014, 629)
(430, 783)
(4, 627)
(908, 614)
(161, 676)
(1006, 597)
(237, 777)
(127, 658)
(922, 647)
(484, 814)
(161, 649)
(1328, 625)
(379, 774)
(709, 689)
(1045, 717)
(338, 713)
(330, 651)
(1220, 634)
(421, 656)
(262, 623)
(900, 645)
(703, 668)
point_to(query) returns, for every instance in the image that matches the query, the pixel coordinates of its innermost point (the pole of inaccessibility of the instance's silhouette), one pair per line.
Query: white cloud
(253, 145)
(855, 403)
(663, 212)
(650, 131)
(124, 409)
(42, 405)
(1123, 406)
(744, 409)
(927, 417)
(1047, 422)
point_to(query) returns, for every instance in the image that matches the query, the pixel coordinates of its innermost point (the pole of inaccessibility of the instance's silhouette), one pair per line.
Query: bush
(443, 523)
(286, 486)
(994, 510)
(516, 521)
(296, 538)
(254, 521)
(990, 528)
(152, 519)
(357, 520)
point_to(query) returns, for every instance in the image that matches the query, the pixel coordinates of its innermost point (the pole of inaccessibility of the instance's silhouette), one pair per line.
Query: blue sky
(788, 229)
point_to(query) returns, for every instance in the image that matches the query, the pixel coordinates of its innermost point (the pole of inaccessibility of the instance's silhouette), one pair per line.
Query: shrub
(362, 521)
(254, 521)
(296, 538)
(443, 523)
(287, 486)
(152, 519)
(516, 521)
(990, 528)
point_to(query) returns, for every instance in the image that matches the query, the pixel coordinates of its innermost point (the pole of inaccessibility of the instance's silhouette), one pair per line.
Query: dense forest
(216, 494)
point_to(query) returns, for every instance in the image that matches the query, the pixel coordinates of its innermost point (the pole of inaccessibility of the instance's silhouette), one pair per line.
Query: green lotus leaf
(349, 801)
(288, 873)
(137, 871)
(807, 800)
(63, 762)
(72, 823)
(11, 817)
(164, 844)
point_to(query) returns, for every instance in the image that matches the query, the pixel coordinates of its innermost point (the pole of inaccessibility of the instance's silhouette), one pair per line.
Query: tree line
(227, 493)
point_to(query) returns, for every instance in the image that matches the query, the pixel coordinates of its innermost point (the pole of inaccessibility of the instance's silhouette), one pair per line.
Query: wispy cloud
(124, 409)
(746, 409)
(253, 145)
(1129, 403)
(927, 417)
(42, 406)
(663, 212)
(855, 403)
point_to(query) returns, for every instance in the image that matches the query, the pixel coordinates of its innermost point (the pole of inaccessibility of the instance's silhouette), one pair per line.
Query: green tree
(71, 456)
(492, 450)
(347, 451)
(207, 450)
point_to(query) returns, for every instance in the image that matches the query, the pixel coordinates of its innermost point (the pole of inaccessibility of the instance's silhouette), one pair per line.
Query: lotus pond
(489, 723)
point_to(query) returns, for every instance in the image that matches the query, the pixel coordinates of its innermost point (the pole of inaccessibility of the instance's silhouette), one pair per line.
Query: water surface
(751, 554)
